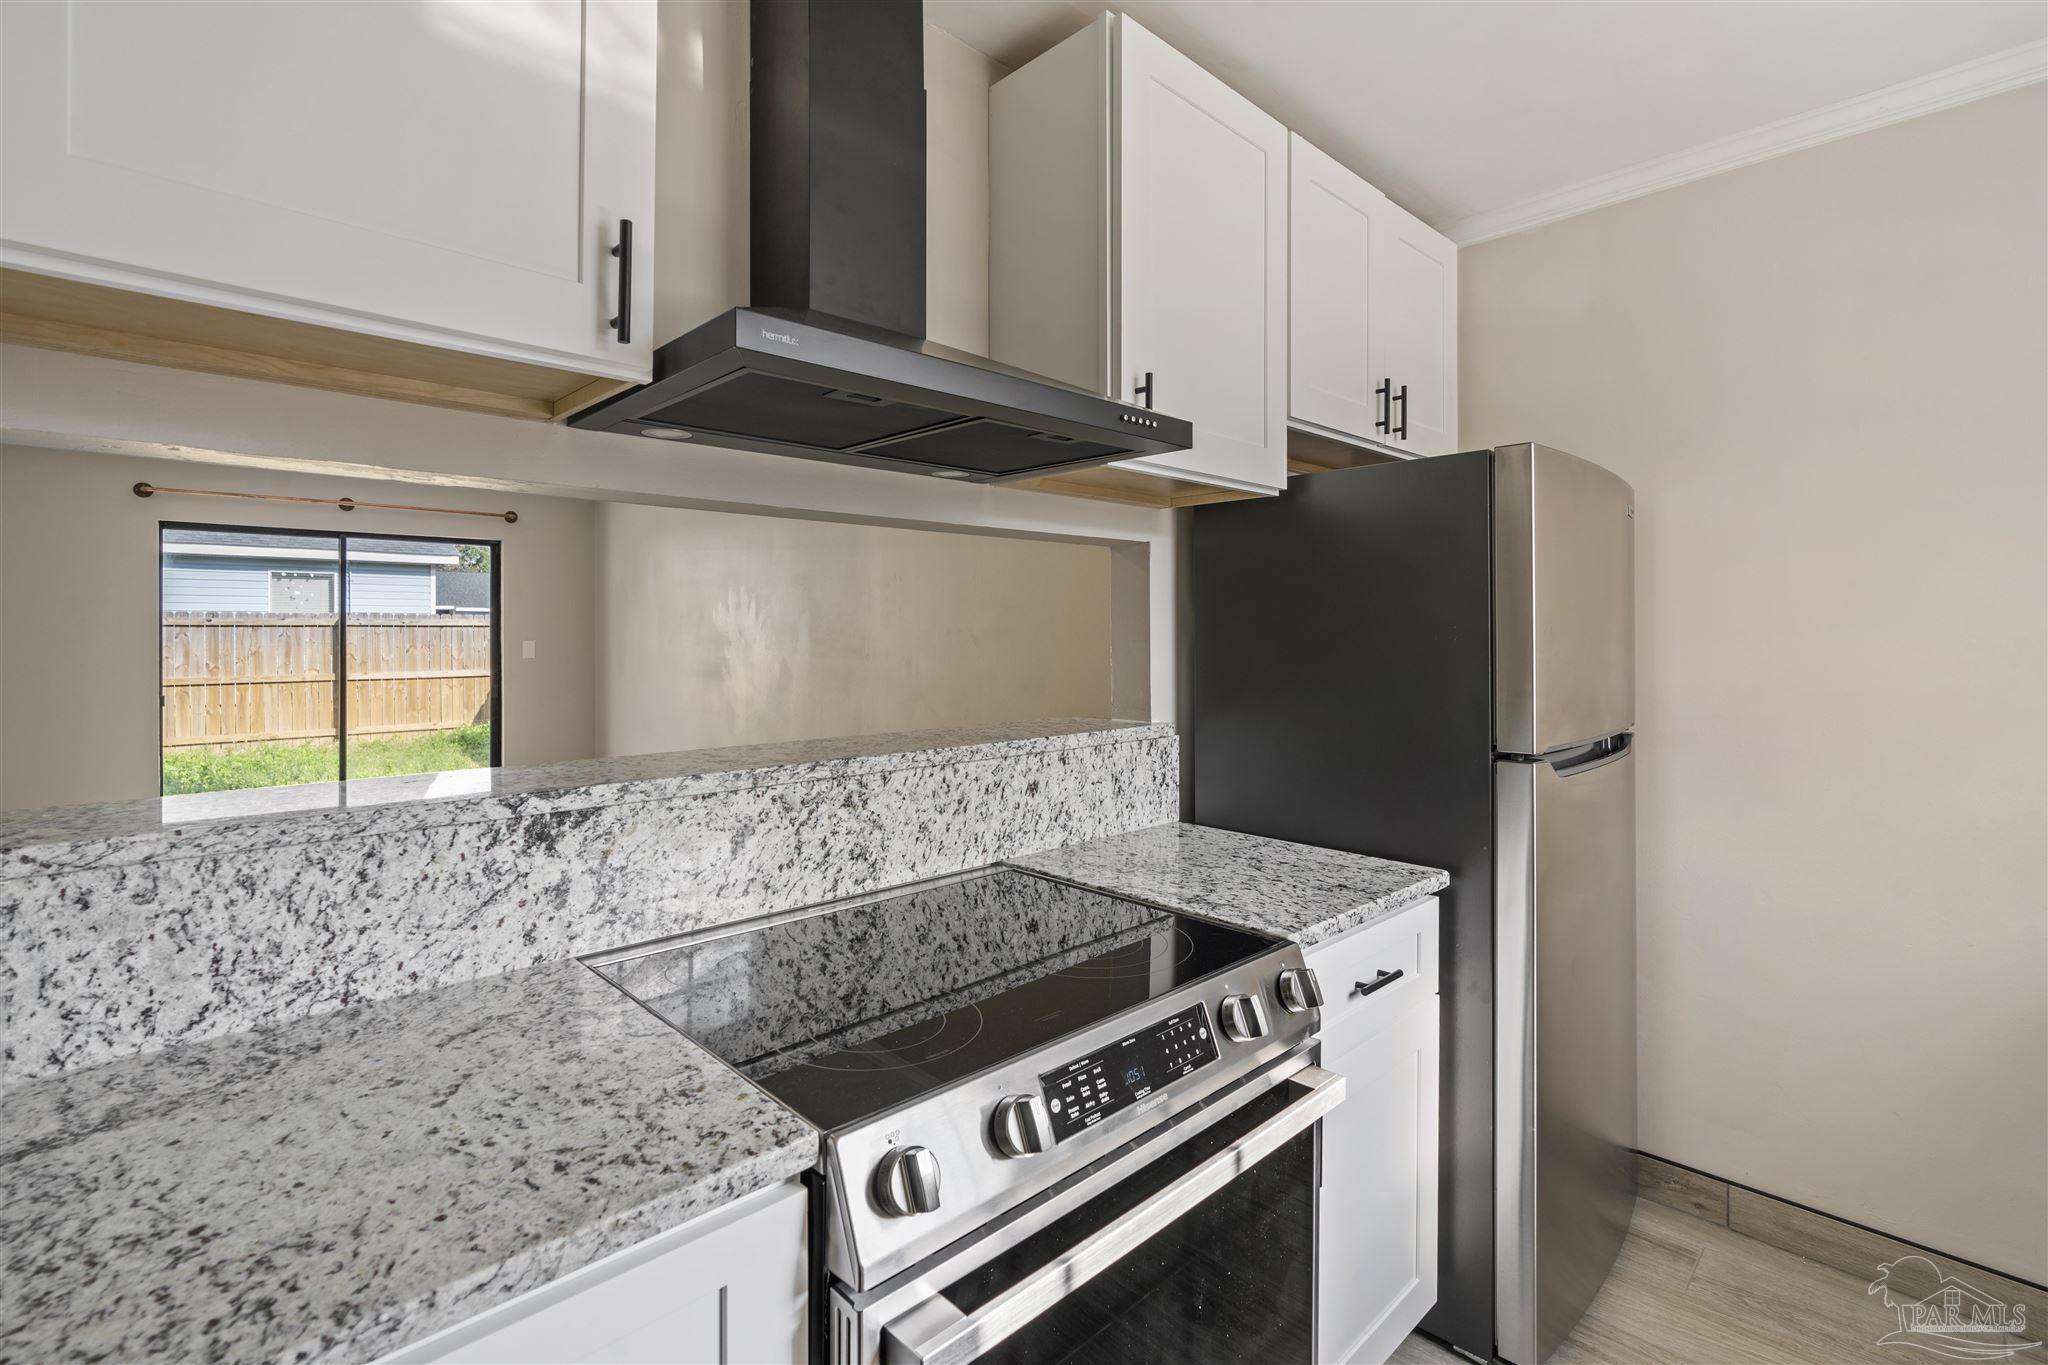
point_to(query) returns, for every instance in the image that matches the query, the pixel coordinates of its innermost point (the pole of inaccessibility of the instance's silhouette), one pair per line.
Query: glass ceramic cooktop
(850, 1012)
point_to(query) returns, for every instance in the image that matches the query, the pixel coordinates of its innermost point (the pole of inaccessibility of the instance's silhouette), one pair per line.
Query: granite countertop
(333, 1188)
(63, 837)
(1293, 891)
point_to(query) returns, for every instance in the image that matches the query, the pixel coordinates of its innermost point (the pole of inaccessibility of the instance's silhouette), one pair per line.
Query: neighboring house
(464, 591)
(256, 571)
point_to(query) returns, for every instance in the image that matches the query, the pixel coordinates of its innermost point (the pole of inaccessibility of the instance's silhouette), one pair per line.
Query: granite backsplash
(123, 931)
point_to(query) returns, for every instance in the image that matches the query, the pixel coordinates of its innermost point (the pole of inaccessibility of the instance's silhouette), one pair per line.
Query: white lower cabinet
(1377, 1229)
(732, 1286)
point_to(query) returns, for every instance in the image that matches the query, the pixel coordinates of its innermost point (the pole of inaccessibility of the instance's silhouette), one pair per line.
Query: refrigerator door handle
(1598, 754)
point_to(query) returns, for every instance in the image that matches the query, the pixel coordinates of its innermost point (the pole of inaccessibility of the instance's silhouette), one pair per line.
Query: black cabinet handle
(1385, 394)
(1401, 398)
(1384, 979)
(623, 323)
(1144, 390)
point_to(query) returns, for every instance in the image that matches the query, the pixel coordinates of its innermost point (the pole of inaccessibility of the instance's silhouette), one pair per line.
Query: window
(295, 590)
(290, 657)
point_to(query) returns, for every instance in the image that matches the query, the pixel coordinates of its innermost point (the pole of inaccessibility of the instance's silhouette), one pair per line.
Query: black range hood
(831, 361)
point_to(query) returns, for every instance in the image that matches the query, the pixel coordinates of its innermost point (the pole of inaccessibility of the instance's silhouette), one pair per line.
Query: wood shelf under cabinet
(1312, 452)
(1110, 484)
(92, 319)
(1308, 452)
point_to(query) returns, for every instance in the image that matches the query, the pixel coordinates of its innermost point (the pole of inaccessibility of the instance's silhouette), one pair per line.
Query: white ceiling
(1457, 110)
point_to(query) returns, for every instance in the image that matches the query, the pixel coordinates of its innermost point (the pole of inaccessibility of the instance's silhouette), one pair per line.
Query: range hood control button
(1020, 1126)
(907, 1182)
(1300, 992)
(1244, 1018)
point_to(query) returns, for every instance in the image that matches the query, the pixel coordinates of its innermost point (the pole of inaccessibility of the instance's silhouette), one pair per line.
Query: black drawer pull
(1143, 390)
(623, 323)
(1401, 398)
(1382, 980)
(1385, 394)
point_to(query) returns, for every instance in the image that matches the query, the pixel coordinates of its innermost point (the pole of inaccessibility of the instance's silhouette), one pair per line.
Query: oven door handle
(936, 1333)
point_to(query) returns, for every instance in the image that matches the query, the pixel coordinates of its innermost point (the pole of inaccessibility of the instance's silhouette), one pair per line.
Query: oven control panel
(1083, 1093)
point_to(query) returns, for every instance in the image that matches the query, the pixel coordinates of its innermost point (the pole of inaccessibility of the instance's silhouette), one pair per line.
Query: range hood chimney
(830, 360)
(838, 160)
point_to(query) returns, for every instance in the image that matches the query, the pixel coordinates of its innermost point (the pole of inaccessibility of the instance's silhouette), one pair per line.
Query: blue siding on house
(390, 587)
(204, 583)
(197, 583)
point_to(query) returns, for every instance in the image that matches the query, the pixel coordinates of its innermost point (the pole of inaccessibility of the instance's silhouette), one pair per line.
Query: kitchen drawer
(1405, 942)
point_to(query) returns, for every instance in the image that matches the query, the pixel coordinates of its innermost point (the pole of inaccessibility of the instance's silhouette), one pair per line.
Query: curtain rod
(145, 490)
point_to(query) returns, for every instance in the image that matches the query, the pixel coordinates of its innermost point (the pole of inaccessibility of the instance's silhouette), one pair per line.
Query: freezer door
(1565, 1115)
(1564, 601)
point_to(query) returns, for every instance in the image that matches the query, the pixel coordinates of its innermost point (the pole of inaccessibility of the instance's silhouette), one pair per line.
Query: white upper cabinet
(1139, 212)
(1331, 226)
(1415, 330)
(1202, 254)
(446, 173)
(1373, 313)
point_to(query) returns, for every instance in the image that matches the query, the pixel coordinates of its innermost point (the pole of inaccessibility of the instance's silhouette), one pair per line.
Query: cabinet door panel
(1415, 326)
(1202, 175)
(733, 1286)
(1376, 1271)
(1331, 381)
(442, 172)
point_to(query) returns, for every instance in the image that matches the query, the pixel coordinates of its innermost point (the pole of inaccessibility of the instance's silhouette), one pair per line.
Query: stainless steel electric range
(1059, 1125)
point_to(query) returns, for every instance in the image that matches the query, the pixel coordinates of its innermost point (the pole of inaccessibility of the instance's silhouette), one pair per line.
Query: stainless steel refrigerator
(1433, 660)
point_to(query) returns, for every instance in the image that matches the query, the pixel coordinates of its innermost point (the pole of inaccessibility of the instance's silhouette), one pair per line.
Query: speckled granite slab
(234, 925)
(330, 1189)
(1291, 890)
(36, 842)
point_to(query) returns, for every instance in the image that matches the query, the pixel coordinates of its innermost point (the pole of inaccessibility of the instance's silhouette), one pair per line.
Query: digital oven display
(1081, 1094)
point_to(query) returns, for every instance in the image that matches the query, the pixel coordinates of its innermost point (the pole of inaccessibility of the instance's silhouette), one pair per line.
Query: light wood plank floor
(1688, 1292)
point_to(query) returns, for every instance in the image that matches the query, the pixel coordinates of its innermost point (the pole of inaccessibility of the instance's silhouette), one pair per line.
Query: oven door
(1199, 1247)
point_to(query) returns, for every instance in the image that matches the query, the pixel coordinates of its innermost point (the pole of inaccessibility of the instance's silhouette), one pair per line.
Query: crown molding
(1971, 80)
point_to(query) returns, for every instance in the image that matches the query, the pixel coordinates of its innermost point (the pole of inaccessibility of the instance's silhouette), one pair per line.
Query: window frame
(333, 590)
(341, 613)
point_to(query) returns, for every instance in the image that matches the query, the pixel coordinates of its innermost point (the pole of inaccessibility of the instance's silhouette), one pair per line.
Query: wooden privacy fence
(250, 677)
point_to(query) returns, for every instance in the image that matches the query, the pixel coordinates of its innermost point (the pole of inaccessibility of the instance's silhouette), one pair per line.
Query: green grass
(283, 765)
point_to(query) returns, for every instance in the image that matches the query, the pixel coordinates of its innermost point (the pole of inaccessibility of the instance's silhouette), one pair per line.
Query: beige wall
(700, 142)
(718, 629)
(956, 82)
(78, 593)
(654, 628)
(1824, 375)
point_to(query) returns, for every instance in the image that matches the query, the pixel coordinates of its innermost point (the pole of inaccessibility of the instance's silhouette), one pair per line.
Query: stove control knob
(907, 1182)
(1020, 1126)
(1244, 1018)
(1300, 992)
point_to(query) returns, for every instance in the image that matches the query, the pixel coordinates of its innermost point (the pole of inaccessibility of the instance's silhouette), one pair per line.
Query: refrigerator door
(1304, 726)
(1564, 601)
(1565, 1100)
